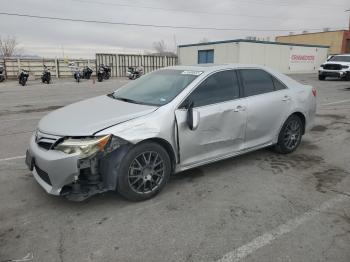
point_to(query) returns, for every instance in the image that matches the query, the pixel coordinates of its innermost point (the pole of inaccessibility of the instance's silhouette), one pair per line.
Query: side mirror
(193, 117)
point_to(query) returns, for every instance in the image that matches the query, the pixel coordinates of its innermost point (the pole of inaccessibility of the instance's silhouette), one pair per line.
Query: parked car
(336, 66)
(165, 122)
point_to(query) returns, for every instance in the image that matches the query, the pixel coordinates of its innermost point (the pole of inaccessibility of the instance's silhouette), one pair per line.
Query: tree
(8, 46)
(160, 47)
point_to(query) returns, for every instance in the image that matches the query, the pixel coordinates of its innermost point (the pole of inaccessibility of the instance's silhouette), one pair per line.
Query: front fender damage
(97, 174)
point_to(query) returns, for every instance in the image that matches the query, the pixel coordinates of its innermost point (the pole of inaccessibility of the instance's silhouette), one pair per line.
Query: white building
(285, 57)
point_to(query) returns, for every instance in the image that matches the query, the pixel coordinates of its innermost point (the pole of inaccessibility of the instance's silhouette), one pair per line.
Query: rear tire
(290, 135)
(144, 172)
(321, 78)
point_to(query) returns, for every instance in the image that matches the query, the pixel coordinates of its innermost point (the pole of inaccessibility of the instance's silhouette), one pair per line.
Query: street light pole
(349, 17)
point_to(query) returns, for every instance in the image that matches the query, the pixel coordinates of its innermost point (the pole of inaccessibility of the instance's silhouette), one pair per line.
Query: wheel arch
(167, 146)
(298, 114)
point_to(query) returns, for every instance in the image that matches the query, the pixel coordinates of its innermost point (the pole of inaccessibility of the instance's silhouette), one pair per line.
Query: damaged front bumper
(67, 175)
(52, 169)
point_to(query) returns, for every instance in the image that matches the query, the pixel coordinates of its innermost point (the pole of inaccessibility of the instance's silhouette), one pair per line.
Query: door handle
(286, 98)
(239, 109)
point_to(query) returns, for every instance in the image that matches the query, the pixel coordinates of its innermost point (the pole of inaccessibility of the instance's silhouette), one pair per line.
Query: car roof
(342, 55)
(213, 67)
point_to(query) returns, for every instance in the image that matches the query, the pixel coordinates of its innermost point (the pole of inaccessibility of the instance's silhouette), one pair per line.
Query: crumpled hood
(90, 116)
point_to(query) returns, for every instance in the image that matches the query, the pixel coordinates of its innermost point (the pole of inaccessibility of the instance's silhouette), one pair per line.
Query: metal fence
(63, 68)
(119, 63)
(35, 66)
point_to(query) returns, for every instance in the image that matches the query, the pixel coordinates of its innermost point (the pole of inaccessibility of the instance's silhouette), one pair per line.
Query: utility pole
(349, 18)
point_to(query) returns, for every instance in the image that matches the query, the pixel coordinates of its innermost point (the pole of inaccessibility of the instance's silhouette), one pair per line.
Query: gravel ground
(259, 207)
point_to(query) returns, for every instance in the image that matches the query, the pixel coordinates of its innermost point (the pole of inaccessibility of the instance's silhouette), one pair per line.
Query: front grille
(331, 74)
(43, 175)
(332, 67)
(45, 141)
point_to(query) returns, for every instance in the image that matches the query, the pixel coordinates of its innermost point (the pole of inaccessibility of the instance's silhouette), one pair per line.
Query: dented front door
(220, 132)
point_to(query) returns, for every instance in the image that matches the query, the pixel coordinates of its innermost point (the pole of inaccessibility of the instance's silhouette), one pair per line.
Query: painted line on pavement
(266, 239)
(336, 103)
(11, 158)
(20, 119)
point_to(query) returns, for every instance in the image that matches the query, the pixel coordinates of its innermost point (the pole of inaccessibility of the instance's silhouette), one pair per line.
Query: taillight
(314, 92)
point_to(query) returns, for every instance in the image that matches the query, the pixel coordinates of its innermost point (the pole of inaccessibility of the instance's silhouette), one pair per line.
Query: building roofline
(310, 33)
(251, 41)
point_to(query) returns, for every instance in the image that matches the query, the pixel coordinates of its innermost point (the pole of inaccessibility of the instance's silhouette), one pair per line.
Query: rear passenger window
(256, 81)
(219, 87)
(278, 84)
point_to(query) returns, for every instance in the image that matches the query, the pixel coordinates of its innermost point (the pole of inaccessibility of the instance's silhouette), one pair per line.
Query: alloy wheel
(292, 134)
(146, 172)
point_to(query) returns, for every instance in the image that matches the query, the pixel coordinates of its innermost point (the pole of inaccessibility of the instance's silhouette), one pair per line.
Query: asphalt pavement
(261, 206)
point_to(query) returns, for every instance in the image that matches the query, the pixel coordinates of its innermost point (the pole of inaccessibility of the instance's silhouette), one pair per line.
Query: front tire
(347, 76)
(290, 135)
(321, 78)
(144, 172)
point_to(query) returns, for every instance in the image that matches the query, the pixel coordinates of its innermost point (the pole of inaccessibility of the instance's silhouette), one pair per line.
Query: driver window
(219, 87)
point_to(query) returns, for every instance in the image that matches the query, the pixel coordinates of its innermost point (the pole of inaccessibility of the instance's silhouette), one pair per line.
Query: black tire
(142, 177)
(321, 77)
(347, 76)
(99, 78)
(290, 135)
(2, 78)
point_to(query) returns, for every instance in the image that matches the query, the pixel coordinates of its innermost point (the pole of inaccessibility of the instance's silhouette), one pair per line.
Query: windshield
(340, 58)
(156, 88)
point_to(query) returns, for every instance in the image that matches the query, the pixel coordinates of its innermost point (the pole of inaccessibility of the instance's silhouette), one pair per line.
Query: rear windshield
(156, 88)
(340, 58)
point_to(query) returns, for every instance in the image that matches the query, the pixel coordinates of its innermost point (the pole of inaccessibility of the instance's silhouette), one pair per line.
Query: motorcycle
(23, 77)
(77, 74)
(2, 77)
(87, 72)
(104, 72)
(46, 76)
(82, 74)
(134, 72)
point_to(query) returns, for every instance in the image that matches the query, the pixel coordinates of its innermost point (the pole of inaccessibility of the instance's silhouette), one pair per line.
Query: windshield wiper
(128, 100)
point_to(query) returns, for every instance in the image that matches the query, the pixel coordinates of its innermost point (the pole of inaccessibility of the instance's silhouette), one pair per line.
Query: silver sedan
(165, 122)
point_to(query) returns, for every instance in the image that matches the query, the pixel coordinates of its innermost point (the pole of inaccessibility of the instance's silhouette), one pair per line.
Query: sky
(51, 38)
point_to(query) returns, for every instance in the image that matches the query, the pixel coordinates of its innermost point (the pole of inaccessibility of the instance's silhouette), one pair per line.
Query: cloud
(48, 38)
